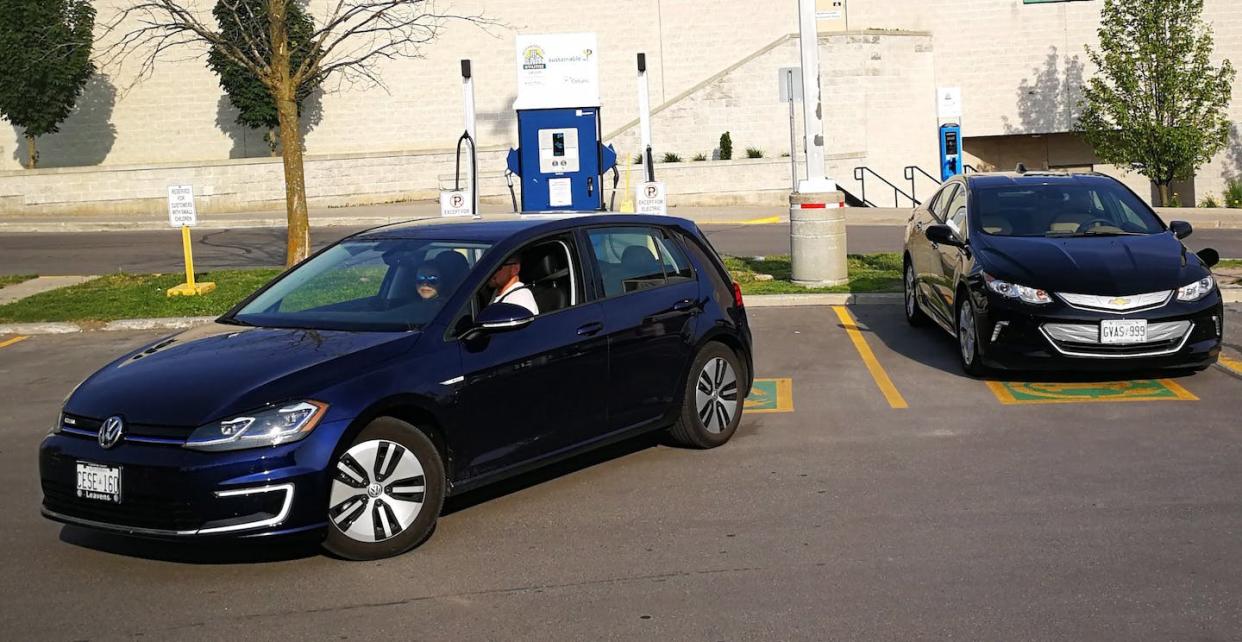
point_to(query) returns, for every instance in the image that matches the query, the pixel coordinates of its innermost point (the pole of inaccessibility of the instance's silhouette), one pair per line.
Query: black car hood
(1104, 265)
(214, 371)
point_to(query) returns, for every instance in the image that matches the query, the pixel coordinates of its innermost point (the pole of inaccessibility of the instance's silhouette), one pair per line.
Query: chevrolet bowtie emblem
(1120, 301)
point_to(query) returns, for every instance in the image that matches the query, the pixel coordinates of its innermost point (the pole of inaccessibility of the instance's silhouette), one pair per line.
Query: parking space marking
(1041, 392)
(881, 378)
(770, 395)
(17, 339)
(1232, 365)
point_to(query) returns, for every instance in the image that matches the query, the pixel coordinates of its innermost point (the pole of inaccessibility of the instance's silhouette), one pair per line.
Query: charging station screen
(558, 145)
(950, 143)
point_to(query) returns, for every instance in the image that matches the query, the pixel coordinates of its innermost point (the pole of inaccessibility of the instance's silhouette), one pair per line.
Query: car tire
(914, 314)
(968, 336)
(377, 506)
(711, 407)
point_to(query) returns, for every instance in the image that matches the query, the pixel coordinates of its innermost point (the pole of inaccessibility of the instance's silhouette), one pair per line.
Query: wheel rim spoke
(348, 465)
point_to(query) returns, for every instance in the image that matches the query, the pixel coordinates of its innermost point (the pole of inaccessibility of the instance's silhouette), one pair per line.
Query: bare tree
(349, 39)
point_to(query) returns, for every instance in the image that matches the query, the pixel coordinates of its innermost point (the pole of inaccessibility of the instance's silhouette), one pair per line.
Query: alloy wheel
(378, 489)
(910, 302)
(716, 395)
(966, 332)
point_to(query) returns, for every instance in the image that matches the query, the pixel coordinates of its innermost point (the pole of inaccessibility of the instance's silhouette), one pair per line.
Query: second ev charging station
(950, 150)
(560, 158)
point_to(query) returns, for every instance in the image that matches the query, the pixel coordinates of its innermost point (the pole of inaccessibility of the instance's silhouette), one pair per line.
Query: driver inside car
(509, 287)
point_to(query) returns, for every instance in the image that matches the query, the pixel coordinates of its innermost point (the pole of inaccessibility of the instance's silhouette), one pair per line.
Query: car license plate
(96, 481)
(1123, 331)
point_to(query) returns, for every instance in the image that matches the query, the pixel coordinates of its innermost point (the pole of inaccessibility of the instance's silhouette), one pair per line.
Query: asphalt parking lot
(881, 495)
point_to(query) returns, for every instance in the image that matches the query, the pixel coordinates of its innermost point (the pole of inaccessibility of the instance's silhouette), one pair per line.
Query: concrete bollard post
(817, 238)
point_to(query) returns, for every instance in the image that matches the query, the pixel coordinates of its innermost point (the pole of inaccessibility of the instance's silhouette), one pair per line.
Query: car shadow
(931, 346)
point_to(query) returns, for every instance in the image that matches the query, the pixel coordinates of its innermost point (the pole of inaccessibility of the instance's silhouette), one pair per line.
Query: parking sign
(181, 212)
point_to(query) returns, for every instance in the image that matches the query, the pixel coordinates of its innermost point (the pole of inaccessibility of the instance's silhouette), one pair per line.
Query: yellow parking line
(768, 220)
(770, 395)
(1232, 365)
(8, 342)
(882, 381)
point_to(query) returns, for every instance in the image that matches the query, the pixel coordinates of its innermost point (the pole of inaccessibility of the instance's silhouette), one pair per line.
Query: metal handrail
(909, 174)
(860, 175)
(967, 168)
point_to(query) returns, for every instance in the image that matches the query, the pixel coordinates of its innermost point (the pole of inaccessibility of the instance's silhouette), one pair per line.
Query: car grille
(1083, 340)
(135, 510)
(1117, 304)
(88, 427)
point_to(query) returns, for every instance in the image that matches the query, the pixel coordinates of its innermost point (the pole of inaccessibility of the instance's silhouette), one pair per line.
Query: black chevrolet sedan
(1049, 270)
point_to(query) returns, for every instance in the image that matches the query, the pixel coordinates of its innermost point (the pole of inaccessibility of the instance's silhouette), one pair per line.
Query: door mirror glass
(1181, 229)
(1209, 256)
(943, 234)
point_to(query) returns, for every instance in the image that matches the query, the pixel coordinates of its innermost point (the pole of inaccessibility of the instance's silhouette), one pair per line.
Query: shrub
(754, 152)
(1209, 201)
(638, 159)
(1175, 200)
(726, 146)
(700, 157)
(1233, 193)
(670, 157)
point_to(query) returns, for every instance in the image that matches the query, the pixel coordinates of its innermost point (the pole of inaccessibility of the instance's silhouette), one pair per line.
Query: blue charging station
(951, 163)
(561, 159)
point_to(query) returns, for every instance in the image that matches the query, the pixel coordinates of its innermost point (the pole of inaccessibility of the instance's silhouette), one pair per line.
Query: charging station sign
(651, 198)
(557, 70)
(455, 203)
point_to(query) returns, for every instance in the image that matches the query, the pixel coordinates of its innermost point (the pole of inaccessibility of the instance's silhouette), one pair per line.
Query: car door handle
(589, 329)
(684, 306)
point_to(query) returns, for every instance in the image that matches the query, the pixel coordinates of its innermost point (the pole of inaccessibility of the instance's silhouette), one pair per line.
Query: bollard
(817, 238)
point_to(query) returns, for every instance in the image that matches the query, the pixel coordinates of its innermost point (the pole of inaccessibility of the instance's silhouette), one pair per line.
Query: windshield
(1097, 208)
(381, 285)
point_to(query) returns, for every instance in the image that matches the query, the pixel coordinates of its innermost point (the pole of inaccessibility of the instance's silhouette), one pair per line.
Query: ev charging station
(561, 158)
(950, 150)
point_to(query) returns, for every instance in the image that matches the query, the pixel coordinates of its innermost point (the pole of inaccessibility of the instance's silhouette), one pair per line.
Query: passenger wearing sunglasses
(427, 281)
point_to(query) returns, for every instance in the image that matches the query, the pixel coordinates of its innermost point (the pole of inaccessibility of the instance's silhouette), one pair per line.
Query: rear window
(1098, 208)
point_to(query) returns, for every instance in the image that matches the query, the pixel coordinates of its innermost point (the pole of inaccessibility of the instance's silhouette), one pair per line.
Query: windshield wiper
(235, 321)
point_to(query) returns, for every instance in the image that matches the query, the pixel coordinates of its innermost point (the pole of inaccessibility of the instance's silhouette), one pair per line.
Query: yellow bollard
(627, 197)
(189, 288)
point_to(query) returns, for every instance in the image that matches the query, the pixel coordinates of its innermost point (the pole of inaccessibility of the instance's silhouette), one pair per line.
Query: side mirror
(1209, 256)
(943, 234)
(1181, 229)
(500, 317)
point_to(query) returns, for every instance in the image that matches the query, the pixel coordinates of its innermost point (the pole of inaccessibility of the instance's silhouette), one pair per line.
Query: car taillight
(737, 295)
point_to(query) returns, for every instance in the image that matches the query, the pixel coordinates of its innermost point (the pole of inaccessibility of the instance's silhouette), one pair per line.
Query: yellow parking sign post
(181, 213)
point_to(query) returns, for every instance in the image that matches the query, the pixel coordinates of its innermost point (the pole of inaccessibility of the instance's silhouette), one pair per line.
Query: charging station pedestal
(560, 158)
(950, 151)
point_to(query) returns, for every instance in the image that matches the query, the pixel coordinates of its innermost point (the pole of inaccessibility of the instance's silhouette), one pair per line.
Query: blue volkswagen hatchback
(402, 365)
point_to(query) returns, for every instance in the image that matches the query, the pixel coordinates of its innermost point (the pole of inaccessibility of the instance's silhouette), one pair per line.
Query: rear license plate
(96, 481)
(1123, 331)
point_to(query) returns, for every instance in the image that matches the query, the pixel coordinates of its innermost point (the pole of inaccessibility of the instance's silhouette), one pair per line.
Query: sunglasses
(427, 278)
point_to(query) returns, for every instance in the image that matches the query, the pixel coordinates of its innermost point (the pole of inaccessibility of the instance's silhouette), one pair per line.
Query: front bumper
(170, 492)
(1019, 336)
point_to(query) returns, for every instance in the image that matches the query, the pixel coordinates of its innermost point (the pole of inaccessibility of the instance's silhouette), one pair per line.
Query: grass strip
(13, 279)
(867, 273)
(136, 296)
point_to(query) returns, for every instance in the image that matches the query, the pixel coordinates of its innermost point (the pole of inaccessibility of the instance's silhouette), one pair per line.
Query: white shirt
(523, 297)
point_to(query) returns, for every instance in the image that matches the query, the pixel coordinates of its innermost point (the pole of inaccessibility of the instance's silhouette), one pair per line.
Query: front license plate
(96, 481)
(1123, 331)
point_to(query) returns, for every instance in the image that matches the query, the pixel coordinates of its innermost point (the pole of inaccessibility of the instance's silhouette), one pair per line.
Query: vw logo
(110, 432)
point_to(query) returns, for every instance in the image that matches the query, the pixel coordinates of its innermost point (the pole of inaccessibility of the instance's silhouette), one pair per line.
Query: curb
(1229, 295)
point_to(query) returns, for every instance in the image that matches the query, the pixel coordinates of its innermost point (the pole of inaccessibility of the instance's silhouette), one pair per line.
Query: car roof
(497, 228)
(1035, 177)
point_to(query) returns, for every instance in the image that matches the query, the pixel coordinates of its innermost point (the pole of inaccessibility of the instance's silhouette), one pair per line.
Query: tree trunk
(1164, 194)
(33, 152)
(284, 91)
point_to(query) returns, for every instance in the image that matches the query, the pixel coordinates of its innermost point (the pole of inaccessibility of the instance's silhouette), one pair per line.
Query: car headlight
(268, 427)
(1196, 290)
(1015, 291)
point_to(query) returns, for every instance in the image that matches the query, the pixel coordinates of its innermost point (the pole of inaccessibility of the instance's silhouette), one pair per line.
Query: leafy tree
(255, 106)
(45, 60)
(351, 38)
(726, 146)
(1157, 102)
